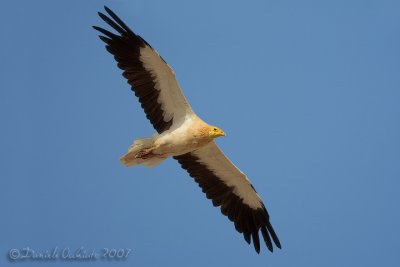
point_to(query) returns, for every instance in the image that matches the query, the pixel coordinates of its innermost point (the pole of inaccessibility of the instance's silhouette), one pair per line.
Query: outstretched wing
(152, 80)
(228, 187)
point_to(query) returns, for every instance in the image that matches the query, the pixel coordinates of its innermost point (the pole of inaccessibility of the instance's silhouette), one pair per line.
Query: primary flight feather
(181, 134)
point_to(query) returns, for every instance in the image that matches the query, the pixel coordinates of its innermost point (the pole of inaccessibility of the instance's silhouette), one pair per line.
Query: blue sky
(308, 92)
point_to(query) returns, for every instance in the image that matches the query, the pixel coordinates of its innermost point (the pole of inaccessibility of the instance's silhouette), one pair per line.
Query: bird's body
(193, 134)
(181, 134)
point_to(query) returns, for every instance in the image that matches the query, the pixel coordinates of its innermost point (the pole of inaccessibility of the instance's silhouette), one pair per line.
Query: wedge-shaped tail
(132, 158)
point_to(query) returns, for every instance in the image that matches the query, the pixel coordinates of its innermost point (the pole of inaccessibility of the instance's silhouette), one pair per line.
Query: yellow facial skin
(216, 132)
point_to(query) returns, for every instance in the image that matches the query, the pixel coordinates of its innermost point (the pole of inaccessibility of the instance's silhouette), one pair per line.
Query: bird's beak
(222, 133)
(218, 133)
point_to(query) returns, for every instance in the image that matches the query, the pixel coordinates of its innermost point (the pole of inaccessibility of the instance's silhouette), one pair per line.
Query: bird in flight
(181, 134)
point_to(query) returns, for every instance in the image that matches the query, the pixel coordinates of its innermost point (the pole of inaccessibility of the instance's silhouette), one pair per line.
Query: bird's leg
(145, 153)
(148, 153)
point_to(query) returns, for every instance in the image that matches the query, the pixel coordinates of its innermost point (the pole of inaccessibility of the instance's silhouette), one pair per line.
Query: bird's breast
(179, 142)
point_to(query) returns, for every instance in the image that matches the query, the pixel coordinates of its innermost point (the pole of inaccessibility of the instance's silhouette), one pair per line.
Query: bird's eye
(215, 129)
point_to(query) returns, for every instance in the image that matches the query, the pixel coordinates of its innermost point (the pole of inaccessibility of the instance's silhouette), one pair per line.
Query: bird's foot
(144, 154)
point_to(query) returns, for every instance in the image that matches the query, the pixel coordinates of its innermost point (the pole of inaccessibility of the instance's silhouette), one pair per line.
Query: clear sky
(307, 91)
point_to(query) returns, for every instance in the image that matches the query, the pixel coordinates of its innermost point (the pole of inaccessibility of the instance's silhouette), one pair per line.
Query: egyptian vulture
(181, 134)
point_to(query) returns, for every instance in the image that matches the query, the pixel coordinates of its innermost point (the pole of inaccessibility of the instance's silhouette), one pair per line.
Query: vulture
(182, 135)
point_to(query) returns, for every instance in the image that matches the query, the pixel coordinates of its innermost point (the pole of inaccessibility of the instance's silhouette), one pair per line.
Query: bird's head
(215, 132)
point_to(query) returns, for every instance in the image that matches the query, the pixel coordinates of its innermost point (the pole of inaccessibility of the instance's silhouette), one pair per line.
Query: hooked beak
(222, 133)
(217, 133)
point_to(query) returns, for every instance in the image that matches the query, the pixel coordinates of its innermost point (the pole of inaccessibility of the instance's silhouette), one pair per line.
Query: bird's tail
(132, 159)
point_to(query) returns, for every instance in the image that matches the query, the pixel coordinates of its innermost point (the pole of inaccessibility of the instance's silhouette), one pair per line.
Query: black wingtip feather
(247, 237)
(105, 32)
(117, 19)
(267, 239)
(106, 8)
(256, 241)
(105, 39)
(273, 235)
(111, 23)
(97, 28)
